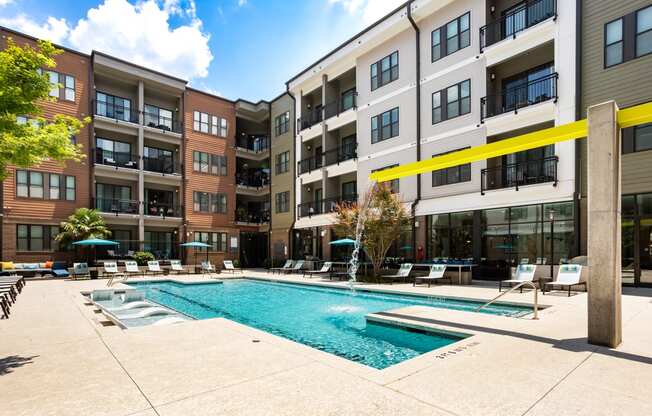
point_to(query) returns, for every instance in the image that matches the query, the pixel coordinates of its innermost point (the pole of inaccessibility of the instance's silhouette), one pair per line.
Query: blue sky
(235, 48)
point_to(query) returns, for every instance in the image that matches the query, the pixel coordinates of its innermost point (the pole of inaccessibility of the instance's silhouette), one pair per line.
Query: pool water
(332, 320)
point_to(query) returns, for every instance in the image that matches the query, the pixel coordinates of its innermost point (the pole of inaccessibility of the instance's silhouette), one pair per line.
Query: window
(29, 184)
(283, 202)
(70, 188)
(637, 139)
(384, 126)
(455, 174)
(158, 117)
(216, 240)
(282, 124)
(218, 203)
(55, 186)
(644, 31)
(200, 162)
(282, 162)
(36, 237)
(394, 183)
(69, 88)
(207, 202)
(113, 107)
(218, 165)
(457, 99)
(384, 71)
(208, 163)
(209, 124)
(613, 49)
(201, 201)
(451, 37)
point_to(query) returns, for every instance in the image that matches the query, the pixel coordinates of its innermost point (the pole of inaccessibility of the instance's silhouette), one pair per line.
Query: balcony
(255, 179)
(163, 165)
(529, 93)
(310, 118)
(160, 121)
(520, 174)
(252, 143)
(323, 206)
(244, 216)
(164, 210)
(116, 206)
(341, 154)
(516, 21)
(115, 159)
(309, 164)
(115, 111)
(346, 102)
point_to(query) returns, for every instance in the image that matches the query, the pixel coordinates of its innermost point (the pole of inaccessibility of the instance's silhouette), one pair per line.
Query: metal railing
(309, 164)
(161, 122)
(115, 159)
(323, 206)
(165, 165)
(341, 154)
(344, 103)
(535, 306)
(114, 111)
(513, 99)
(256, 217)
(252, 143)
(116, 206)
(163, 210)
(516, 21)
(257, 179)
(520, 174)
(310, 118)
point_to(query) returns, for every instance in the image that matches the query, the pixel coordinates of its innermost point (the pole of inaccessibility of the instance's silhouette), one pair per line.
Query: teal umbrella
(94, 242)
(342, 242)
(197, 244)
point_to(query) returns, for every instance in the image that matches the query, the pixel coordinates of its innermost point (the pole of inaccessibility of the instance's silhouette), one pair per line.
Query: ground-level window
(217, 241)
(31, 237)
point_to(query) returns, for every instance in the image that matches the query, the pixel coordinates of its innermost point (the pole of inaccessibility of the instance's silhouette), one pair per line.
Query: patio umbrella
(94, 242)
(197, 244)
(342, 242)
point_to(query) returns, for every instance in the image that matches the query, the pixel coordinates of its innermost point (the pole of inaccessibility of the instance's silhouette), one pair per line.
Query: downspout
(271, 175)
(294, 173)
(417, 38)
(577, 194)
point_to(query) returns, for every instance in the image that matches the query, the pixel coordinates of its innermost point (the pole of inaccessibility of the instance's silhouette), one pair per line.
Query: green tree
(23, 87)
(383, 218)
(85, 223)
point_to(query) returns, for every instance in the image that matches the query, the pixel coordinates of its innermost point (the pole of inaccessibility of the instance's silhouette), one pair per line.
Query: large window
(208, 163)
(217, 241)
(451, 102)
(628, 37)
(455, 174)
(282, 162)
(451, 37)
(283, 202)
(394, 183)
(384, 126)
(209, 202)
(43, 185)
(282, 123)
(384, 71)
(450, 235)
(36, 237)
(644, 31)
(158, 117)
(62, 86)
(637, 139)
(113, 107)
(209, 124)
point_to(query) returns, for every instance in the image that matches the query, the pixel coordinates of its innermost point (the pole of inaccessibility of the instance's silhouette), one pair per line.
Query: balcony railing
(513, 99)
(341, 154)
(114, 111)
(256, 217)
(310, 118)
(164, 210)
(323, 206)
(520, 174)
(516, 21)
(163, 165)
(158, 121)
(256, 144)
(257, 179)
(116, 206)
(309, 164)
(115, 159)
(346, 102)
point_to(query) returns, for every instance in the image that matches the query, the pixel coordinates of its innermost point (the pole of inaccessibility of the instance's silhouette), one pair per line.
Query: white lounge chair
(296, 268)
(153, 267)
(131, 268)
(207, 268)
(111, 270)
(80, 270)
(177, 267)
(524, 273)
(436, 273)
(568, 275)
(287, 266)
(228, 266)
(325, 270)
(402, 273)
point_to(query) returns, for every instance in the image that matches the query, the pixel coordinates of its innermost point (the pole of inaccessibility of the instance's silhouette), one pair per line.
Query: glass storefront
(451, 235)
(636, 226)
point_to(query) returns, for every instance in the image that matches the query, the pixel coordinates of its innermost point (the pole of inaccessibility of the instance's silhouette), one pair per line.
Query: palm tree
(83, 224)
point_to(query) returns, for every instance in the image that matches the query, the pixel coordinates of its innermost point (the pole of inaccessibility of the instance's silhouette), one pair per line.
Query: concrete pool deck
(58, 357)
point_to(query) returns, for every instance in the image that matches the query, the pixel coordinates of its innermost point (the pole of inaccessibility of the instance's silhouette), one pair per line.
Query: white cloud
(139, 33)
(369, 10)
(5, 2)
(242, 3)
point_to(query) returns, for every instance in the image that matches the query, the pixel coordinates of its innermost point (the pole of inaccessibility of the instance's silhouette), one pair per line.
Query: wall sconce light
(308, 189)
(492, 9)
(492, 76)
(323, 233)
(416, 224)
(308, 148)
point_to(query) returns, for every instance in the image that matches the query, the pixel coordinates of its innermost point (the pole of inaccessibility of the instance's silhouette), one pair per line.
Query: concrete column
(141, 153)
(604, 239)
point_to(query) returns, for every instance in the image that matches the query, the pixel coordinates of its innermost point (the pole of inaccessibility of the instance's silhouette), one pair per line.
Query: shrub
(142, 257)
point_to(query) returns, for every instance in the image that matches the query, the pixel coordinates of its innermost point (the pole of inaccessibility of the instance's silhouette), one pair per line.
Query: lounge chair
(525, 260)
(436, 273)
(228, 266)
(287, 266)
(325, 270)
(4, 305)
(131, 268)
(177, 267)
(111, 270)
(80, 270)
(524, 273)
(207, 268)
(10, 290)
(153, 267)
(402, 273)
(298, 267)
(19, 281)
(568, 275)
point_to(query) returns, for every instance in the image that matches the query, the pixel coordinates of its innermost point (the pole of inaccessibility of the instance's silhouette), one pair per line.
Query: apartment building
(616, 57)
(434, 77)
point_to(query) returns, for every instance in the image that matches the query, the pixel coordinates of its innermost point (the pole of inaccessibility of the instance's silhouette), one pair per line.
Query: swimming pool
(332, 320)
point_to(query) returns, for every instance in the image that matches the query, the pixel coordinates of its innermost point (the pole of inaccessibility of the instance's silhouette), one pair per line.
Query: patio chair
(177, 267)
(287, 266)
(10, 290)
(228, 266)
(298, 267)
(542, 260)
(402, 273)
(208, 268)
(568, 275)
(325, 270)
(131, 268)
(153, 267)
(524, 273)
(525, 260)
(436, 273)
(111, 270)
(18, 281)
(80, 270)
(4, 305)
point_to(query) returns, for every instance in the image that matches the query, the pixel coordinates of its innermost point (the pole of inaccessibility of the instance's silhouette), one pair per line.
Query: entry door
(318, 201)
(637, 251)
(645, 251)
